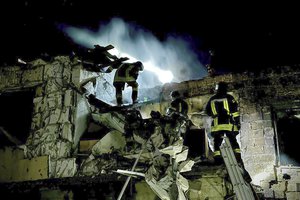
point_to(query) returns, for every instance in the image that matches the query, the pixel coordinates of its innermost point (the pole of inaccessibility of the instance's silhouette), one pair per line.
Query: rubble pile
(151, 135)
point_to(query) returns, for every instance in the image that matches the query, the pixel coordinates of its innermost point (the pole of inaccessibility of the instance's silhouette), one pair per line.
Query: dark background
(244, 37)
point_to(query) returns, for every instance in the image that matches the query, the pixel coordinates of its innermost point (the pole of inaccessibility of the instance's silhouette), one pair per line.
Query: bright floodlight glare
(164, 76)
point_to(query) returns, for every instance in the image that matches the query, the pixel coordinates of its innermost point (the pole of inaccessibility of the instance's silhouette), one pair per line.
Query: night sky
(243, 37)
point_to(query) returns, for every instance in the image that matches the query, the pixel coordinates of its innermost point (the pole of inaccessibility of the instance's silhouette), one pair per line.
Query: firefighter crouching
(127, 73)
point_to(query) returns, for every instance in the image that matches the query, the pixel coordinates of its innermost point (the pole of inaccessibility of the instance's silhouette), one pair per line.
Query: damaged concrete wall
(59, 116)
(206, 183)
(288, 182)
(14, 167)
(82, 110)
(256, 94)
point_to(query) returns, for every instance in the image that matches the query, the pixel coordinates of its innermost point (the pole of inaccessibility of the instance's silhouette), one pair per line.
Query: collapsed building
(56, 145)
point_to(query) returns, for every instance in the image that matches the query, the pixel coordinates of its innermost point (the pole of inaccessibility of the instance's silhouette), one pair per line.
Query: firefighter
(178, 103)
(223, 109)
(211, 64)
(210, 71)
(127, 73)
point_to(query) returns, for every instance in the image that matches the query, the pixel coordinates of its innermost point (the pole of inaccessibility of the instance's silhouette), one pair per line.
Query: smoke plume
(173, 56)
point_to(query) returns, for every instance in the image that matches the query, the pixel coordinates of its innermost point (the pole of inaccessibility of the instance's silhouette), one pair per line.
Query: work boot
(134, 97)
(134, 101)
(119, 102)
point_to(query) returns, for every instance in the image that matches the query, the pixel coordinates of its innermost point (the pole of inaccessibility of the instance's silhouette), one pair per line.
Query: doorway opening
(15, 117)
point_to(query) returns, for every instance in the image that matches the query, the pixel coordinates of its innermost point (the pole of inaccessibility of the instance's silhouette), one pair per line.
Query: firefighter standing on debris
(223, 109)
(127, 73)
(178, 103)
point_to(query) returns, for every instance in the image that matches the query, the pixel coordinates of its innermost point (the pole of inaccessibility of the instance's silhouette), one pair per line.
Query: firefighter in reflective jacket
(223, 109)
(178, 103)
(127, 73)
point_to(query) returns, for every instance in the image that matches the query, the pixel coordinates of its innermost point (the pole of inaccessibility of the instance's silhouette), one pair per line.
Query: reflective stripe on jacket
(125, 73)
(223, 109)
(180, 106)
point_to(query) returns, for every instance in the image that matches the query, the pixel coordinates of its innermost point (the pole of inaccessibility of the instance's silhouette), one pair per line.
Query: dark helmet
(139, 65)
(175, 94)
(221, 87)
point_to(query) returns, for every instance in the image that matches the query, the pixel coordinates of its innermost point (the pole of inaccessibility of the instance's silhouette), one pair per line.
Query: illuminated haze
(171, 60)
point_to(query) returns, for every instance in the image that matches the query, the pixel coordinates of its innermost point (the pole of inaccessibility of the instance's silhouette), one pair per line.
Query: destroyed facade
(69, 149)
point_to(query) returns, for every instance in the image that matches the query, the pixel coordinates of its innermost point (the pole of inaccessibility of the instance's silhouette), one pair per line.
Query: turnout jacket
(224, 111)
(126, 73)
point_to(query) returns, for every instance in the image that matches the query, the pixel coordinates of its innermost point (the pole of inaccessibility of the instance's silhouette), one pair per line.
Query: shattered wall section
(288, 182)
(61, 114)
(53, 118)
(53, 122)
(98, 84)
(256, 94)
(104, 88)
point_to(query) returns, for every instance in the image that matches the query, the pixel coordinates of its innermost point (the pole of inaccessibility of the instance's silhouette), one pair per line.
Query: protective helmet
(139, 65)
(221, 87)
(175, 94)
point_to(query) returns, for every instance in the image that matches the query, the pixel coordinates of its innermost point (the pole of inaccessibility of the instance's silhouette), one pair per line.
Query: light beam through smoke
(170, 60)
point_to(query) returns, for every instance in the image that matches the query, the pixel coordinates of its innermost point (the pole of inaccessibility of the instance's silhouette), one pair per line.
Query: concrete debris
(61, 113)
(56, 148)
(114, 120)
(164, 175)
(93, 166)
(186, 166)
(112, 141)
(63, 168)
(162, 138)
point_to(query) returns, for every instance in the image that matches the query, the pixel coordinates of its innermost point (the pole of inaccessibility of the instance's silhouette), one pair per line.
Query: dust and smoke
(171, 60)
